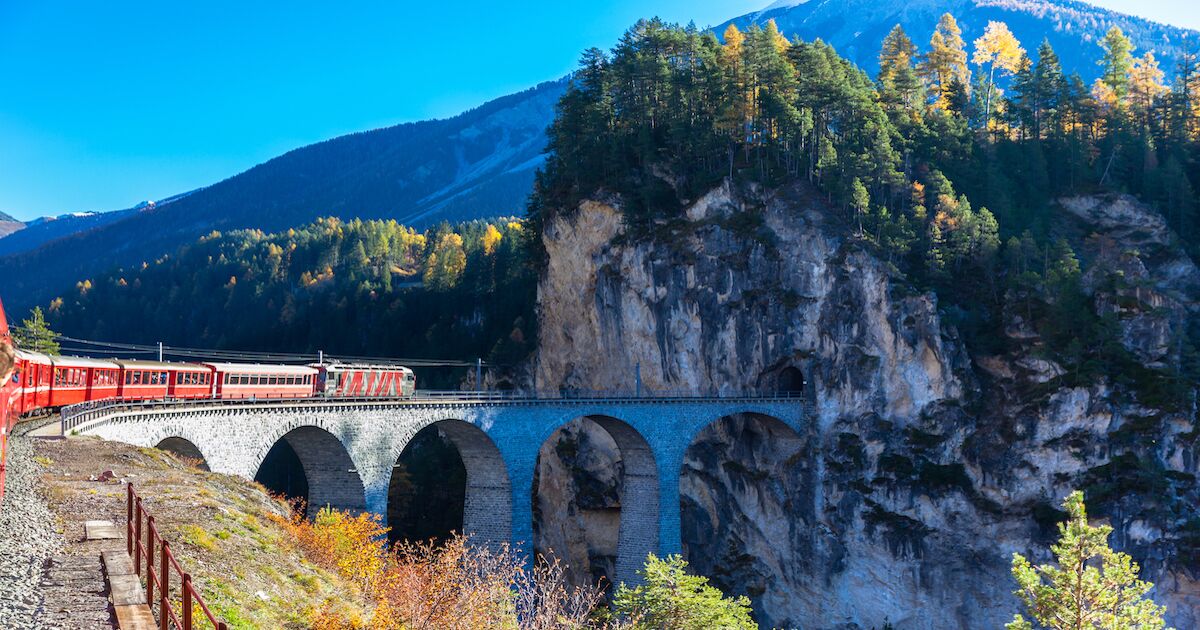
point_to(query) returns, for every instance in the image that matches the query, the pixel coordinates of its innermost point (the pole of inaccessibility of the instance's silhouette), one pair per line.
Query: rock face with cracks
(924, 467)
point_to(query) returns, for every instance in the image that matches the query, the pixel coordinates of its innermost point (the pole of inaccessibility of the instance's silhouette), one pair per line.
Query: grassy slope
(219, 526)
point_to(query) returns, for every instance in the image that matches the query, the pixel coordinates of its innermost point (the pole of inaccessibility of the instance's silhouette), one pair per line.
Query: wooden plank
(126, 590)
(100, 530)
(135, 617)
(117, 562)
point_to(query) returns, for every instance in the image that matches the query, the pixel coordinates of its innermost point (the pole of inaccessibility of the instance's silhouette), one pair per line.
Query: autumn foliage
(457, 585)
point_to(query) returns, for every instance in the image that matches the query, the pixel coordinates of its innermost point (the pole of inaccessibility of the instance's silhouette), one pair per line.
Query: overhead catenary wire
(114, 349)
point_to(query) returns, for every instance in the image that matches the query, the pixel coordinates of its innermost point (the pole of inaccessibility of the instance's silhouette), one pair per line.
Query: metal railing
(161, 581)
(72, 417)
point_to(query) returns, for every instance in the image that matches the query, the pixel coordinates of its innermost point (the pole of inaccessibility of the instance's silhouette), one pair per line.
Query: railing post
(164, 586)
(187, 601)
(129, 518)
(150, 559)
(137, 537)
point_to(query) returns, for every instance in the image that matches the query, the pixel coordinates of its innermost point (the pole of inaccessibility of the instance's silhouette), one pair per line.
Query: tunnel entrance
(282, 473)
(186, 451)
(428, 489)
(791, 381)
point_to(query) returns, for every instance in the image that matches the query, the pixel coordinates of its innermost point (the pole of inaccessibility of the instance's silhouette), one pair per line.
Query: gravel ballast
(27, 539)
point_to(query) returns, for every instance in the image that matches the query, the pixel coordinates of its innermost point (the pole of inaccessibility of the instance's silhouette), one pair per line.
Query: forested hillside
(947, 163)
(477, 164)
(361, 288)
(1074, 29)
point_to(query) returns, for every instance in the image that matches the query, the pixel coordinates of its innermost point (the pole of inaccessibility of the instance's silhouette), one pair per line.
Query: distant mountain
(40, 231)
(857, 27)
(9, 225)
(479, 163)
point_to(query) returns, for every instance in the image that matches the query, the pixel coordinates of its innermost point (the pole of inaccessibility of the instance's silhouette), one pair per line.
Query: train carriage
(147, 380)
(71, 382)
(190, 380)
(262, 382)
(32, 379)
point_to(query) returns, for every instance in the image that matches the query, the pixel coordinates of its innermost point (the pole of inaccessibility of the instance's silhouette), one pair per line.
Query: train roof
(362, 366)
(261, 368)
(28, 355)
(83, 362)
(138, 364)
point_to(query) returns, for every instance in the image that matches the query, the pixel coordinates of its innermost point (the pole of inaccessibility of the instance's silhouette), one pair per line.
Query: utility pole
(478, 374)
(638, 376)
(160, 352)
(320, 356)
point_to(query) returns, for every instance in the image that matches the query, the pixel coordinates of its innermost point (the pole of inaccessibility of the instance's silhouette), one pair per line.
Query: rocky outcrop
(576, 502)
(923, 468)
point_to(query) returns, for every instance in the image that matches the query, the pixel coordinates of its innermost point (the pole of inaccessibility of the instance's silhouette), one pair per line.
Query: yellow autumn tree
(1145, 85)
(945, 65)
(491, 238)
(998, 49)
(446, 263)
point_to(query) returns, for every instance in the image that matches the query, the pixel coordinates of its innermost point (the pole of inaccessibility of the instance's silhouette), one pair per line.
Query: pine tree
(1092, 588)
(1117, 62)
(671, 599)
(35, 335)
(899, 84)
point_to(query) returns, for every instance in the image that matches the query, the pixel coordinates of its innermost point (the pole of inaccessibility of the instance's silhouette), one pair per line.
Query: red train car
(72, 380)
(191, 380)
(144, 380)
(364, 381)
(245, 380)
(32, 380)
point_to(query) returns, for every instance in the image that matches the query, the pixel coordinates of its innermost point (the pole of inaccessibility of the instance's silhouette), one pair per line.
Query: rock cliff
(924, 465)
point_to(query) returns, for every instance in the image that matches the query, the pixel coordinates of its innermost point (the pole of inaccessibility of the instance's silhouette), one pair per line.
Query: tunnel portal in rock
(790, 381)
(185, 450)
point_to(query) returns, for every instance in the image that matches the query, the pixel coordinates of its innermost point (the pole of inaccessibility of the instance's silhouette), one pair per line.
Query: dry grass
(224, 530)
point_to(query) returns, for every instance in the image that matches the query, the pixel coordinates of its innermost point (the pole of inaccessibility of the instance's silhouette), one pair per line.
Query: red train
(42, 381)
(36, 381)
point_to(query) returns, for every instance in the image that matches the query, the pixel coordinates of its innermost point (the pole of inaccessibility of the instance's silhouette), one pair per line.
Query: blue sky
(106, 104)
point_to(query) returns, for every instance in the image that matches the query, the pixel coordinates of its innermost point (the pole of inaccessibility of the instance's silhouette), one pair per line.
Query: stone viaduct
(348, 450)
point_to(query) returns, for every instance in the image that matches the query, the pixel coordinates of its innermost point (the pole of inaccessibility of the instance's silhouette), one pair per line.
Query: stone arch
(487, 504)
(330, 475)
(744, 515)
(638, 495)
(185, 449)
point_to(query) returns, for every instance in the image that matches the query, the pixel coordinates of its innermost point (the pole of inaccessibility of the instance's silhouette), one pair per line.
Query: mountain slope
(9, 225)
(856, 27)
(479, 163)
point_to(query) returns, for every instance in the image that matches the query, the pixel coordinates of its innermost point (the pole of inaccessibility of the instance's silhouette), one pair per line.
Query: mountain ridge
(481, 162)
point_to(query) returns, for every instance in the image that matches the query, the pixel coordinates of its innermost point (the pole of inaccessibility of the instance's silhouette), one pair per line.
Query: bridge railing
(75, 417)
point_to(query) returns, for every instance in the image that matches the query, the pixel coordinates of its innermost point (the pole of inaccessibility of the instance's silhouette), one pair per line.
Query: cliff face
(924, 468)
